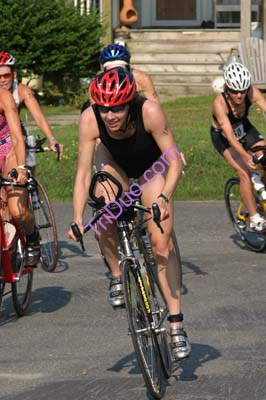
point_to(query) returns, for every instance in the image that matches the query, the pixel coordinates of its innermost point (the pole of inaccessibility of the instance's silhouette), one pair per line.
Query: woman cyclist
(116, 55)
(13, 155)
(233, 135)
(134, 133)
(23, 95)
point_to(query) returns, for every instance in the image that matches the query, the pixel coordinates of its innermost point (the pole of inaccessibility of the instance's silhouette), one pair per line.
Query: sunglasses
(8, 75)
(237, 91)
(114, 109)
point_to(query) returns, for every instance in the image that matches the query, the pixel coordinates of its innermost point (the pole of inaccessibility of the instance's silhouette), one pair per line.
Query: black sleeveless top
(232, 118)
(135, 154)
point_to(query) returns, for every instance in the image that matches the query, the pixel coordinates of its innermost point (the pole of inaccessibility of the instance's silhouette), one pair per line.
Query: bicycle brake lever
(77, 234)
(157, 216)
(58, 151)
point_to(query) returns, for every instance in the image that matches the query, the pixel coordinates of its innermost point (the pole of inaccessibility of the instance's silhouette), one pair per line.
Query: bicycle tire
(158, 301)
(239, 216)
(21, 289)
(45, 223)
(159, 310)
(143, 337)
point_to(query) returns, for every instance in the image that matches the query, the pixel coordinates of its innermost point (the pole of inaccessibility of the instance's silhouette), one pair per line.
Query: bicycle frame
(9, 276)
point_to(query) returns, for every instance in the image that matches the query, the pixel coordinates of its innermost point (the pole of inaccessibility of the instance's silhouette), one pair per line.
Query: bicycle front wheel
(143, 336)
(21, 288)
(160, 312)
(45, 223)
(239, 216)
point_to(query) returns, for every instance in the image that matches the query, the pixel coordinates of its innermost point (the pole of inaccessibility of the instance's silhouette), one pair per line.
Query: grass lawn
(189, 118)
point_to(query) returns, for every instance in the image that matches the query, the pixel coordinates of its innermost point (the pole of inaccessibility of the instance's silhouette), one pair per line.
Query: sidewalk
(58, 120)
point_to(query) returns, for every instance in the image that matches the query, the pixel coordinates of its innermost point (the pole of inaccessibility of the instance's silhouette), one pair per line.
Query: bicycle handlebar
(99, 202)
(257, 159)
(38, 147)
(30, 185)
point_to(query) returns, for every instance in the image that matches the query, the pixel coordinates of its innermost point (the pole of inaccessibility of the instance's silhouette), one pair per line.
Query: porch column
(107, 13)
(263, 20)
(245, 18)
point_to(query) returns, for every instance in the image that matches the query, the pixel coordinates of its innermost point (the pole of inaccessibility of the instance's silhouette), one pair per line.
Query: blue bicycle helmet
(114, 52)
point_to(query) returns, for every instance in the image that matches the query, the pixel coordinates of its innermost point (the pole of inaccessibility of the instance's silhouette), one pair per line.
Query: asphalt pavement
(72, 345)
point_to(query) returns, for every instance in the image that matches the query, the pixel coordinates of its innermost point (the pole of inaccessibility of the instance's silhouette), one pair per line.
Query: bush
(51, 38)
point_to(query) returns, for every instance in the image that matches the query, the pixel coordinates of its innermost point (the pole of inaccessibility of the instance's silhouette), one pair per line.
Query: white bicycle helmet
(237, 77)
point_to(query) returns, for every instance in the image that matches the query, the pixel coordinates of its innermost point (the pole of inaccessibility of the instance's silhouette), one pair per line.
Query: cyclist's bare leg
(109, 238)
(246, 188)
(17, 199)
(169, 264)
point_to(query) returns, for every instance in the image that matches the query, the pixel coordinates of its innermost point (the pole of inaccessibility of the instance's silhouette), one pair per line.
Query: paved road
(73, 346)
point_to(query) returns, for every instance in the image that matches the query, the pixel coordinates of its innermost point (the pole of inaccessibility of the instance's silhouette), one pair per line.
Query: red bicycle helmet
(7, 59)
(113, 87)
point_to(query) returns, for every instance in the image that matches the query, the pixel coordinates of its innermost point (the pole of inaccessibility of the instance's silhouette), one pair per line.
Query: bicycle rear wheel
(143, 337)
(21, 289)
(239, 216)
(45, 223)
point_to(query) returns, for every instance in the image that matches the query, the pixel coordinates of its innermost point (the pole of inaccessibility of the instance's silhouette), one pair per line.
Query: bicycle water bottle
(31, 156)
(258, 185)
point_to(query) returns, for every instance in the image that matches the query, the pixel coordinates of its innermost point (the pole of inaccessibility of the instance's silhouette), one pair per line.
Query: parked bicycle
(44, 214)
(238, 213)
(13, 269)
(145, 304)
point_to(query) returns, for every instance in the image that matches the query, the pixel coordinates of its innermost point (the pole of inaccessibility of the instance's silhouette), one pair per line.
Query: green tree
(50, 37)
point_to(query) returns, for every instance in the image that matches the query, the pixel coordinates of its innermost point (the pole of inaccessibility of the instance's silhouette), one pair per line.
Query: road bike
(13, 268)
(238, 213)
(145, 304)
(44, 215)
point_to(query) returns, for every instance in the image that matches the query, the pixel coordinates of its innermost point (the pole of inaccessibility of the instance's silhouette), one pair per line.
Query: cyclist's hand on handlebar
(57, 148)
(250, 163)
(71, 234)
(163, 208)
(18, 175)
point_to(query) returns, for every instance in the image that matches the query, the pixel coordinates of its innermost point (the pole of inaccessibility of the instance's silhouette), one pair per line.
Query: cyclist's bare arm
(156, 124)
(27, 97)
(220, 111)
(258, 98)
(9, 109)
(88, 133)
(145, 85)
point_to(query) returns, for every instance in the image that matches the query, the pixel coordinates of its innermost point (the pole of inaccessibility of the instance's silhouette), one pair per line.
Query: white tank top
(15, 92)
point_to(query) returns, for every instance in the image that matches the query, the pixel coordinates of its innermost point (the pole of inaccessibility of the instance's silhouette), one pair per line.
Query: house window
(175, 10)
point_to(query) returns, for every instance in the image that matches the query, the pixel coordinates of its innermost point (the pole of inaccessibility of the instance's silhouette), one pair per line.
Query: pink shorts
(4, 150)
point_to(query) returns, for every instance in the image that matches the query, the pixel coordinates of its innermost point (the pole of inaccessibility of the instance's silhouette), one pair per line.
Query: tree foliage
(50, 37)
